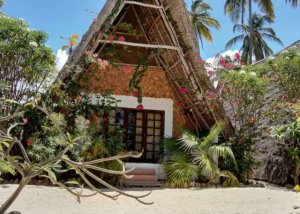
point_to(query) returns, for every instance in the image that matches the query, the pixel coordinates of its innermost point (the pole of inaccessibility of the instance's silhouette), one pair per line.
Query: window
(143, 130)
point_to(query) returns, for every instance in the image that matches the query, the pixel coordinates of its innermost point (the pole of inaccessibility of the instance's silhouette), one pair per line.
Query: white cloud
(229, 53)
(61, 59)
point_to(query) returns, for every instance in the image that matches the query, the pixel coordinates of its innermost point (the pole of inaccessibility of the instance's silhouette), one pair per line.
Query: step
(142, 172)
(141, 183)
(142, 178)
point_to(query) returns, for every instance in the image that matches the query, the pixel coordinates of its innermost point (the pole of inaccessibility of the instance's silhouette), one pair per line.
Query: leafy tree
(236, 9)
(260, 32)
(25, 61)
(202, 20)
(60, 160)
(1, 3)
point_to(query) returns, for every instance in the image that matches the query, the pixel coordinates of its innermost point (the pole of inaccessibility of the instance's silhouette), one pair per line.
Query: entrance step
(142, 178)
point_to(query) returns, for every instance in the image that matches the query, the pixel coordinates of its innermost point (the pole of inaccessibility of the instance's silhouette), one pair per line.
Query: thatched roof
(295, 45)
(165, 25)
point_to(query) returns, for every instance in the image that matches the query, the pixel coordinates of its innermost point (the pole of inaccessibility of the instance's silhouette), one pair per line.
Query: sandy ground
(53, 200)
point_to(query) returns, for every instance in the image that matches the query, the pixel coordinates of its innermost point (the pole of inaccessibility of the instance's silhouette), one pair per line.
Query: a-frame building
(162, 29)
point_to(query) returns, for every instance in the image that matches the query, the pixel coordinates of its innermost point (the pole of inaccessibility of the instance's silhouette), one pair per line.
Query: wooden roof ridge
(178, 36)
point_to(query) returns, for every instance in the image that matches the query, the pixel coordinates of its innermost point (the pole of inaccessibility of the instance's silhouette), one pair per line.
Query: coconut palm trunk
(251, 33)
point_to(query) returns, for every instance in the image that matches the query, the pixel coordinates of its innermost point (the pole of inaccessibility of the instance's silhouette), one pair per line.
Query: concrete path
(53, 200)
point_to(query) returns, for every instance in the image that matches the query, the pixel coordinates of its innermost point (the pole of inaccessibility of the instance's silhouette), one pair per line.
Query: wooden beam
(143, 4)
(153, 23)
(143, 45)
(115, 28)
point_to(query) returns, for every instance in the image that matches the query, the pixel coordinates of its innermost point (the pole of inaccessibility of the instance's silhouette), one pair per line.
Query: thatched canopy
(165, 29)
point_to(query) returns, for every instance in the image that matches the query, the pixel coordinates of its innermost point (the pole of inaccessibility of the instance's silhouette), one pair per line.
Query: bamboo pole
(143, 45)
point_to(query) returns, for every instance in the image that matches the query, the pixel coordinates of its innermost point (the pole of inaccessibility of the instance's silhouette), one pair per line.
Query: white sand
(53, 200)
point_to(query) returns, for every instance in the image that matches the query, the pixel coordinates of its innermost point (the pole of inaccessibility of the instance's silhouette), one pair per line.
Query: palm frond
(240, 27)
(214, 133)
(234, 40)
(207, 166)
(272, 38)
(220, 151)
(188, 140)
(293, 2)
(266, 6)
(180, 171)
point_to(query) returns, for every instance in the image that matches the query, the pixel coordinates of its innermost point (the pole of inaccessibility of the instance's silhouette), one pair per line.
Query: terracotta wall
(154, 85)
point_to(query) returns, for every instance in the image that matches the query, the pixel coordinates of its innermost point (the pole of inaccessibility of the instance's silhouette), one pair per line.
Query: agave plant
(199, 158)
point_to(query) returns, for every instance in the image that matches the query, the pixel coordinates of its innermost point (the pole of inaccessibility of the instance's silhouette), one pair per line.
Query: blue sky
(65, 17)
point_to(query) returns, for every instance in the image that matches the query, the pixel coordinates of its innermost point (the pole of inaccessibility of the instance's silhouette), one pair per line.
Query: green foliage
(242, 92)
(137, 77)
(286, 70)
(202, 21)
(180, 171)
(260, 33)
(191, 158)
(25, 60)
(245, 93)
(290, 135)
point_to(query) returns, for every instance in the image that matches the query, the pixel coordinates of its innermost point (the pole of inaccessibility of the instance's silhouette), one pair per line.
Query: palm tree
(260, 33)
(236, 9)
(293, 2)
(198, 157)
(202, 20)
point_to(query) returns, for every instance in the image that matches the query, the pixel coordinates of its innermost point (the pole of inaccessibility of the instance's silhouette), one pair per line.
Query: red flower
(122, 39)
(212, 95)
(183, 90)
(231, 65)
(140, 107)
(223, 63)
(250, 120)
(240, 141)
(29, 142)
(201, 61)
(179, 104)
(87, 122)
(135, 94)
(105, 119)
(127, 69)
(210, 73)
(111, 38)
(220, 85)
(237, 56)
(95, 55)
(224, 90)
(25, 121)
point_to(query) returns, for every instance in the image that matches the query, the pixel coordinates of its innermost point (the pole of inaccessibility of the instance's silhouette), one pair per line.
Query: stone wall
(274, 163)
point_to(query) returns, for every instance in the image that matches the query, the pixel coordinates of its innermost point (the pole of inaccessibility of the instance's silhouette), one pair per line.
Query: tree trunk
(14, 196)
(250, 33)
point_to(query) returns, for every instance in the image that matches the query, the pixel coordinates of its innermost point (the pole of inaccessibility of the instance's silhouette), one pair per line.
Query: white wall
(159, 104)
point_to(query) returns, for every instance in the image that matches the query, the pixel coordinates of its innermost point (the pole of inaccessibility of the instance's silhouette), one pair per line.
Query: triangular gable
(165, 29)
